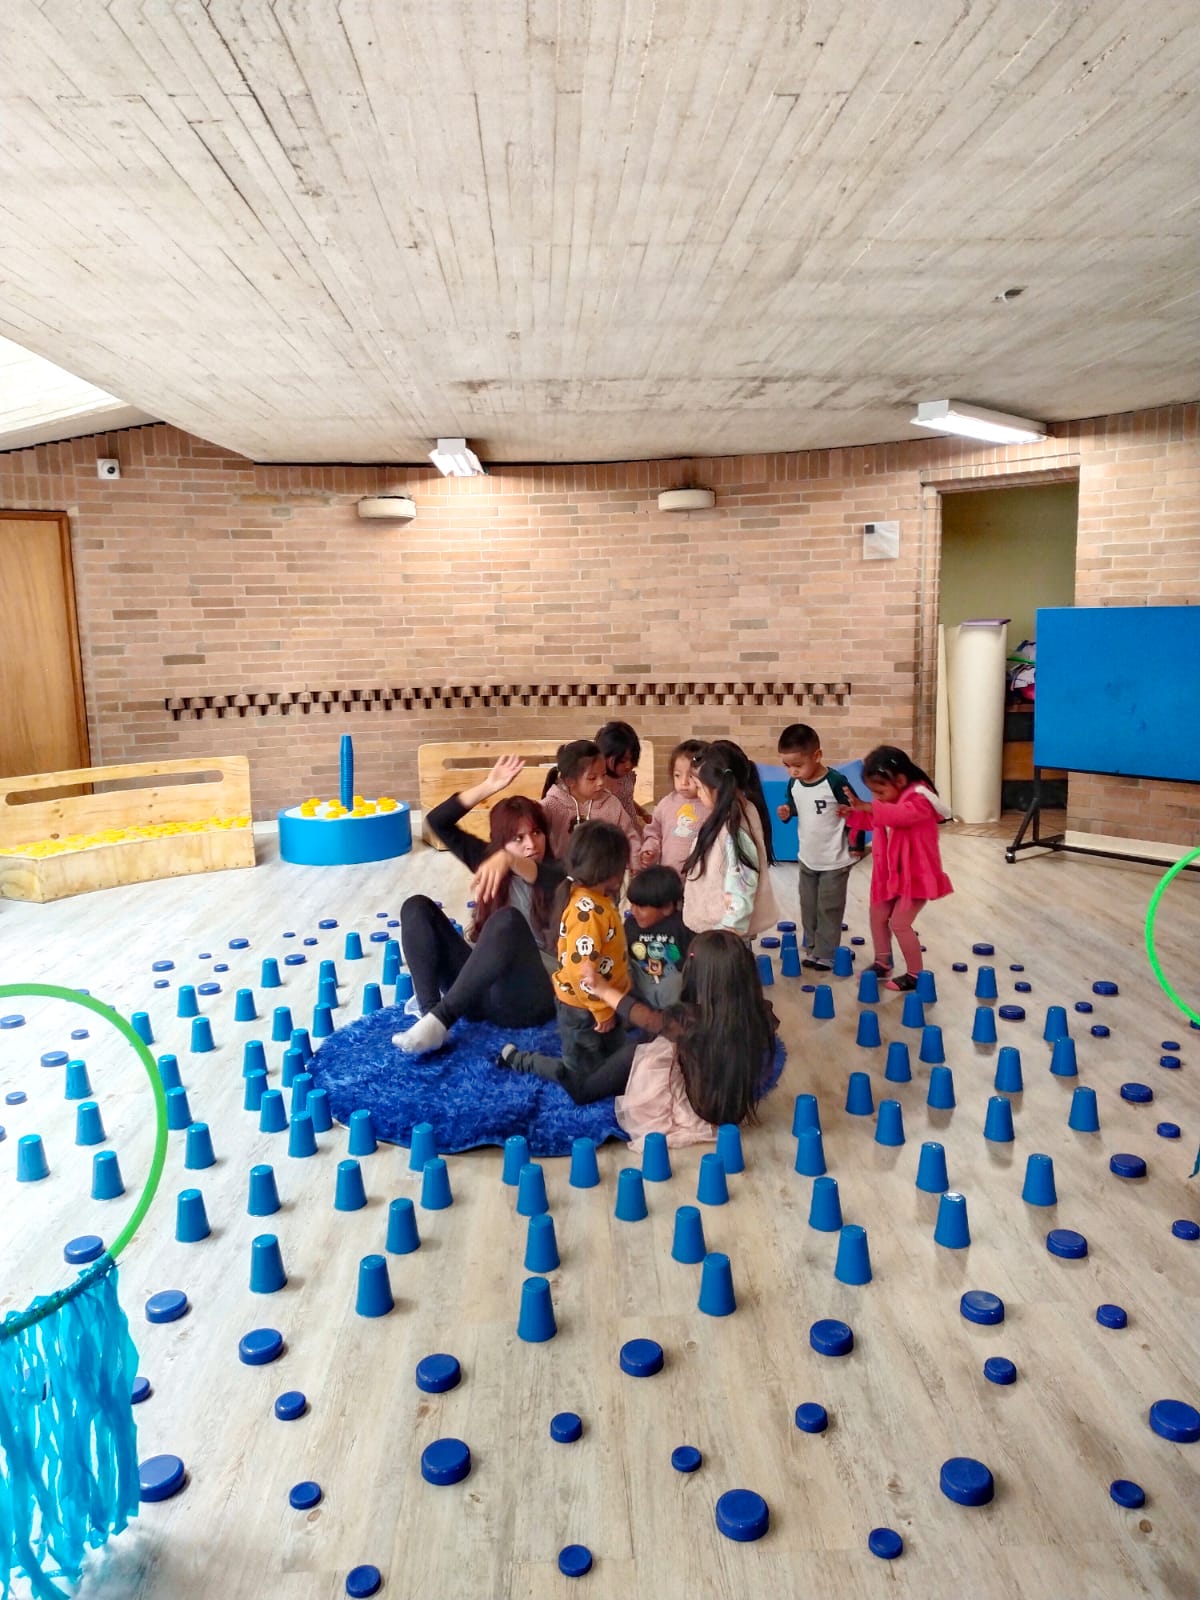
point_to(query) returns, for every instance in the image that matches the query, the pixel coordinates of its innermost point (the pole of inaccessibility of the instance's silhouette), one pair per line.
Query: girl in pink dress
(907, 864)
(710, 1053)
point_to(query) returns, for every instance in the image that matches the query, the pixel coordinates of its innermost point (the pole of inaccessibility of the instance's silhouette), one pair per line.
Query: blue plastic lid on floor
(1099, 1031)
(1138, 1094)
(327, 922)
(1175, 1420)
(1167, 1130)
(208, 988)
(83, 1249)
(445, 1461)
(742, 1515)
(967, 1482)
(15, 1097)
(166, 1306)
(1012, 1013)
(686, 1458)
(1084, 1006)
(1126, 1165)
(1110, 1316)
(290, 1405)
(141, 1390)
(1067, 1243)
(304, 1496)
(159, 1477)
(239, 944)
(1184, 1228)
(811, 1417)
(641, 1358)
(1172, 1063)
(260, 1346)
(437, 1373)
(54, 1058)
(296, 959)
(364, 1580)
(79, 1033)
(983, 949)
(958, 966)
(1105, 986)
(1127, 1493)
(14, 1019)
(565, 1427)
(574, 1560)
(999, 1369)
(885, 1543)
(829, 1337)
(978, 1305)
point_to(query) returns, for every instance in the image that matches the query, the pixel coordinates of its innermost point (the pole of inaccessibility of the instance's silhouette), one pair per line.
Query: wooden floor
(911, 1395)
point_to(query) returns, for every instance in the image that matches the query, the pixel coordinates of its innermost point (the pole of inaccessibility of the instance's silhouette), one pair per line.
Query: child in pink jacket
(672, 829)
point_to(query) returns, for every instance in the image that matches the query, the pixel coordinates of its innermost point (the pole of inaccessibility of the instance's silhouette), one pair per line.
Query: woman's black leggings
(499, 979)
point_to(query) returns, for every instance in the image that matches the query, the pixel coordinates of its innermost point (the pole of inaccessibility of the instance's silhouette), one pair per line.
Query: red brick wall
(200, 574)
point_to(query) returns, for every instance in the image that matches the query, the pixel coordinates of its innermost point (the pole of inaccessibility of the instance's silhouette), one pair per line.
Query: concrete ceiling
(615, 229)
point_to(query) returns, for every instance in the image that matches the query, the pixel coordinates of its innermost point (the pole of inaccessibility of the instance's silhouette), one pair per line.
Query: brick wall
(202, 575)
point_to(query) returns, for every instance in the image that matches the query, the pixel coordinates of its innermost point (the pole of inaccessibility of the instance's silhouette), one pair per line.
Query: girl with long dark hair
(726, 878)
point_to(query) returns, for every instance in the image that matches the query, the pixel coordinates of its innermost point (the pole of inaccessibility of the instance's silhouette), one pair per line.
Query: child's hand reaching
(608, 1024)
(648, 856)
(783, 813)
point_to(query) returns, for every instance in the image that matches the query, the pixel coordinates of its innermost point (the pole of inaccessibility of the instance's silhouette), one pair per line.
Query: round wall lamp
(686, 500)
(387, 507)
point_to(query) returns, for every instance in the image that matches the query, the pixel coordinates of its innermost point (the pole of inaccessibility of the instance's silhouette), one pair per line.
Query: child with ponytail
(726, 878)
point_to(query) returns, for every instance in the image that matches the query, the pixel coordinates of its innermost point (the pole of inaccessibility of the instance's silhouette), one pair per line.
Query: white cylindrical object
(383, 507)
(978, 652)
(686, 500)
(941, 724)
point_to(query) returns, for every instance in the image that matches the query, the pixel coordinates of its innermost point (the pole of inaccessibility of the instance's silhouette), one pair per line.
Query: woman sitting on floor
(501, 973)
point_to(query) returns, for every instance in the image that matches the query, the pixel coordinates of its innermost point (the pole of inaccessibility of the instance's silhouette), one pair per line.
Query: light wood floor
(911, 1395)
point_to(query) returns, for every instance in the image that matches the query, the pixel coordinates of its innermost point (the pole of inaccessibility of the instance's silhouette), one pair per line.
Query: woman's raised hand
(493, 870)
(504, 771)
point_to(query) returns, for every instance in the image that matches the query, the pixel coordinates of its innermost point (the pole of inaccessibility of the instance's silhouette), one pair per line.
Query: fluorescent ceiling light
(974, 422)
(454, 460)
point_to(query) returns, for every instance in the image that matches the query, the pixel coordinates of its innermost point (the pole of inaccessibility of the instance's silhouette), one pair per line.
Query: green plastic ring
(1151, 953)
(53, 991)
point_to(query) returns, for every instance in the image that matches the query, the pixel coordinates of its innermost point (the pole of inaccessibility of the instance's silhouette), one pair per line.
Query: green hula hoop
(1152, 955)
(105, 1262)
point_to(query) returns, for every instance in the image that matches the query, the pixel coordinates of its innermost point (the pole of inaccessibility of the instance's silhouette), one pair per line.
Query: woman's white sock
(428, 1034)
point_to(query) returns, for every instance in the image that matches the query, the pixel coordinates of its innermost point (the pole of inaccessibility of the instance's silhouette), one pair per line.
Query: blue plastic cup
(711, 1188)
(350, 1193)
(516, 1154)
(729, 1147)
(1062, 1058)
(1008, 1078)
(179, 1114)
(293, 1067)
(374, 1298)
(867, 1037)
(404, 987)
(656, 1158)
(302, 1140)
(298, 1040)
(932, 1051)
(354, 949)
(940, 1096)
(107, 1183)
(998, 1123)
(717, 1298)
(541, 1245)
(1084, 1117)
(78, 1085)
(843, 962)
(327, 995)
(140, 1022)
(853, 1264)
(807, 1114)
(789, 961)
(1056, 1024)
(766, 971)
(269, 977)
(198, 1150)
(327, 973)
(243, 1006)
(254, 1087)
(301, 1084)
(263, 1199)
(688, 1242)
(868, 988)
(1039, 1188)
(89, 1126)
(822, 1006)
(825, 1208)
(926, 989)
(422, 1147)
(585, 1169)
(202, 1038)
(362, 1134)
(435, 1186)
(266, 1265)
(536, 1323)
(391, 964)
(984, 1030)
(402, 1235)
(372, 999)
(898, 1069)
(889, 1123)
(254, 1057)
(913, 1014)
(531, 1191)
(931, 1168)
(316, 1106)
(810, 1153)
(31, 1159)
(952, 1231)
(186, 1004)
(860, 1101)
(631, 1196)
(191, 1219)
(272, 1113)
(322, 1022)
(985, 983)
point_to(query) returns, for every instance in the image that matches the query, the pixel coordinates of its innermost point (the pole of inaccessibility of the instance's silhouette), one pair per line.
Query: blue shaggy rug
(468, 1100)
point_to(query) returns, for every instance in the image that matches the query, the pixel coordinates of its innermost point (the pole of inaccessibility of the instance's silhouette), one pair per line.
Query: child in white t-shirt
(815, 793)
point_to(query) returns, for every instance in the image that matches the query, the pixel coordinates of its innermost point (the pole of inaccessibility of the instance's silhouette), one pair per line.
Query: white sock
(412, 1007)
(428, 1034)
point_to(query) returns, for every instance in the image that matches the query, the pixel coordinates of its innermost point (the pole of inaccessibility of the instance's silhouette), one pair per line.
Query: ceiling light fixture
(974, 422)
(454, 460)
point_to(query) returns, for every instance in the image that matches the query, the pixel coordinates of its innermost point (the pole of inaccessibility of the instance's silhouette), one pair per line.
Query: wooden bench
(444, 769)
(212, 790)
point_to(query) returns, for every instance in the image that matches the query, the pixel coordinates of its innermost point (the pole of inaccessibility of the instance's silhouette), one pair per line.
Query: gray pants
(592, 1065)
(822, 907)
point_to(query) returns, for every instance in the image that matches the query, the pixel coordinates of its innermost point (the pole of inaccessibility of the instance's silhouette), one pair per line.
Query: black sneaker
(815, 964)
(505, 1058)
(905, 983)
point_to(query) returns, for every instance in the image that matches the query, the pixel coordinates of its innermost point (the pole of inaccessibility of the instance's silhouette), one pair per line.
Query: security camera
(108, 467)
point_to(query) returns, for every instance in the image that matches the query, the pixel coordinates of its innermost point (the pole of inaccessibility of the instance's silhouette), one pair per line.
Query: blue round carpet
(468, 1100)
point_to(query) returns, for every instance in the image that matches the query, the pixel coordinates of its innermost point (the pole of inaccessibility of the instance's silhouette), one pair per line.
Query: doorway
(43, 726)
(1005, 552)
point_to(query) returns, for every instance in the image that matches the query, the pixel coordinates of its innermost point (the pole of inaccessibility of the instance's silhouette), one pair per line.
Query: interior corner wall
(229, 607)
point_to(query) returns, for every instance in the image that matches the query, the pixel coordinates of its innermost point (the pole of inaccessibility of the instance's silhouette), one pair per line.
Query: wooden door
(43, 727)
